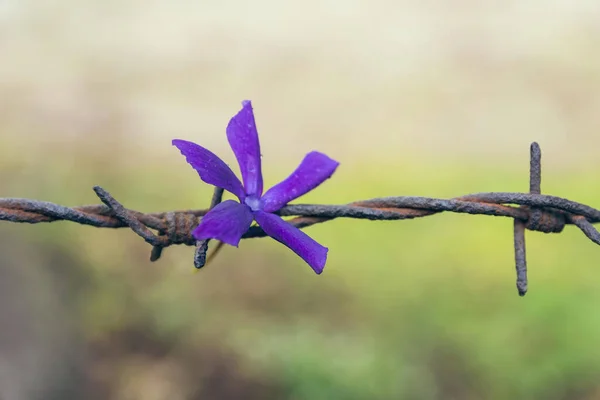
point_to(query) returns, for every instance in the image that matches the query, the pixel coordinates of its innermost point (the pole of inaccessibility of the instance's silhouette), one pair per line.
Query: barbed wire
(533, 211)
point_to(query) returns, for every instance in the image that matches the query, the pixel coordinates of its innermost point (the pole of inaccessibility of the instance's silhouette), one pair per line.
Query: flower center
(253, 202)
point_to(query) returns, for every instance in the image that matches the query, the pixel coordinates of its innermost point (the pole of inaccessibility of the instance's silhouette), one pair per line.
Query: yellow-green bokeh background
(430, 98)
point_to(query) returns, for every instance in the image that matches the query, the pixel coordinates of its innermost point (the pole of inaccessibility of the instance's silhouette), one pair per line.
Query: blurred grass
(414, 309)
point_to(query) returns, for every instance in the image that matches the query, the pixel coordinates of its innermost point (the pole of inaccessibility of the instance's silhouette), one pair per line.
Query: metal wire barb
(533, 211)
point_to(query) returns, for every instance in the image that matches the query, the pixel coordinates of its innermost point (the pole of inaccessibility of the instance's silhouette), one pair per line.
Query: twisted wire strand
(533, 211)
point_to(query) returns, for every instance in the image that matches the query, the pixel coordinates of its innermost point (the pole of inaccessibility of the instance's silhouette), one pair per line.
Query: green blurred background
(429, 98)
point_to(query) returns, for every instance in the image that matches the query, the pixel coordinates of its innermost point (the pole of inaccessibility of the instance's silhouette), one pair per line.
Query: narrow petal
(312, 171)
(227, 222)
(243, 139)
(210, 167)
(299, 242)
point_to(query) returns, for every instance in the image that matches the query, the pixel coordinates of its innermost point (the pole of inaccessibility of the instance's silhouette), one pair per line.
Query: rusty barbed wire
(532, 211)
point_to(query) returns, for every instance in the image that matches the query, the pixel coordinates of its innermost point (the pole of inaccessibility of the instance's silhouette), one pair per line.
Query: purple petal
(210, 167)
(227, 222)
(312, 171)
(243, 139)
(299, 242)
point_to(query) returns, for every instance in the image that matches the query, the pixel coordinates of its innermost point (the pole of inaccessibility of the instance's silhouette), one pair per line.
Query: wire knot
(179, 227)
(545, 221)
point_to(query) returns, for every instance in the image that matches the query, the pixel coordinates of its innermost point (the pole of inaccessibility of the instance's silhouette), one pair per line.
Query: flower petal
(314, 169)
(227, 222)
(210, 167)
(299, 242)
(243, 139)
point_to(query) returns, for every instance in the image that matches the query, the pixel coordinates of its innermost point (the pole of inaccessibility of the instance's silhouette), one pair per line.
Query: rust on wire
(532, 211)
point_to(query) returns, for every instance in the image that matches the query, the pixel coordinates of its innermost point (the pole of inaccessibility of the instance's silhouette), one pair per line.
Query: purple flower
(229, 220)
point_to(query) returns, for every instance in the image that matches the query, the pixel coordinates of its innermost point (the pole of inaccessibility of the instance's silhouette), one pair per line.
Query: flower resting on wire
(229, 220)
